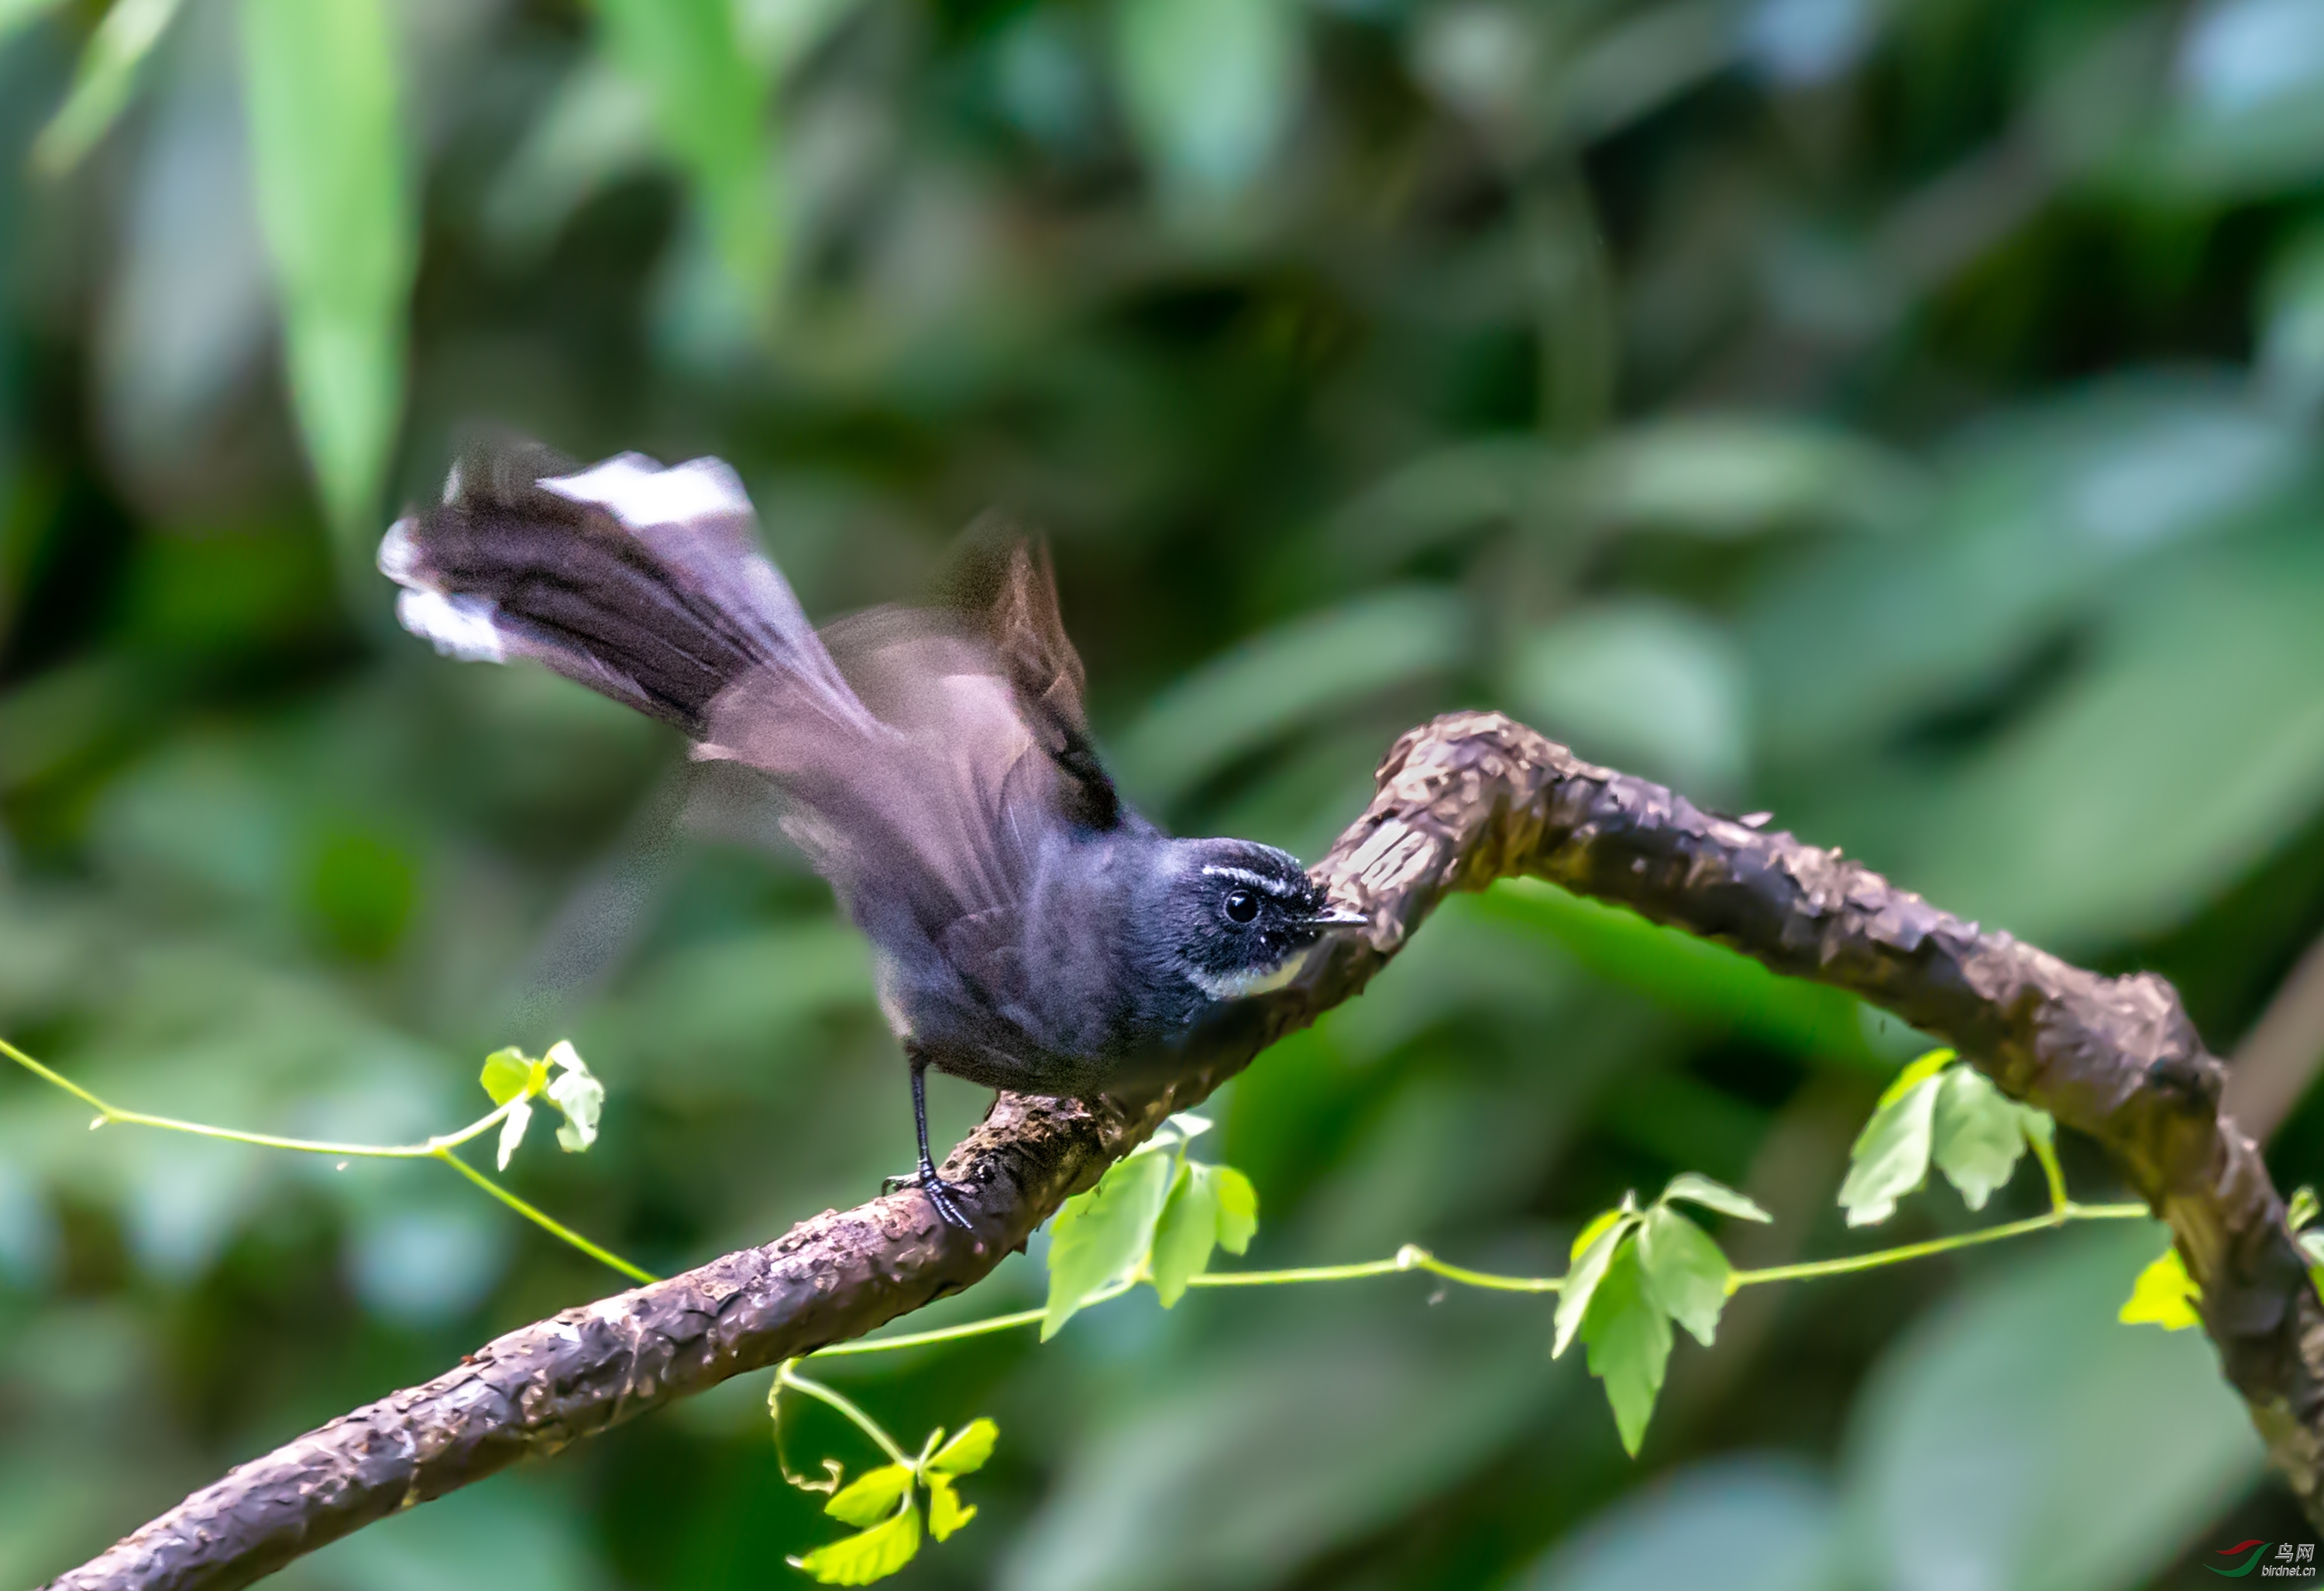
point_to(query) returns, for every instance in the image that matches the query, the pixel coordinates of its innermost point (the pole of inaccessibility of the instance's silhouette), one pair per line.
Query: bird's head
(1239, 917)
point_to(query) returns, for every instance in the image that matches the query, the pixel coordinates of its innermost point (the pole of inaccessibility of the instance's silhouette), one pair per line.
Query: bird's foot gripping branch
(1461, 802)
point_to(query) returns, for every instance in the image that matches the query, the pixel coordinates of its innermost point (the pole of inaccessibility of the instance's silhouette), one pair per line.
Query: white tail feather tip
(638, 491)
(399, 554)
(459, 627)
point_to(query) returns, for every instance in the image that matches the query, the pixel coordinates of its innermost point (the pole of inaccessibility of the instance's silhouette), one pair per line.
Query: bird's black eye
(1240, 905)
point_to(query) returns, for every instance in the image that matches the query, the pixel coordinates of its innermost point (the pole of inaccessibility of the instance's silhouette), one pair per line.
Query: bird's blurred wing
(1045, 673)
(936, 821)
(1004, 589)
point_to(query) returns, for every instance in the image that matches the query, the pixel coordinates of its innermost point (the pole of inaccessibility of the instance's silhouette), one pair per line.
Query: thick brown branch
(1468, 799)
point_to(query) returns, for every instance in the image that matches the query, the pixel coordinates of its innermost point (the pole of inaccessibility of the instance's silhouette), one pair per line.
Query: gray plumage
(1031, 930)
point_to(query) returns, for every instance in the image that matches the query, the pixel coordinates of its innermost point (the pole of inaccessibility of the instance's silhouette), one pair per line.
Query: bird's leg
(938, 1191)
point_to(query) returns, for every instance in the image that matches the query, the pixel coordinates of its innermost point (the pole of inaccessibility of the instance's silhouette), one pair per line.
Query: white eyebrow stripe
(1274, 887)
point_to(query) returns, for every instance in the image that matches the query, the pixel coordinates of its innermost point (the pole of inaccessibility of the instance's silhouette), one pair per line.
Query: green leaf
(1592, 1258)
(1641, 682)
(2311, 1244)
(710, 99)
(510, 1074)
(1629, 1340)
(1442, 496)
(15, 14)
(871, 1496)
(1729, 478)
(2301, 1208)
(330, 172)
(578, 1094)
(596, 127)
(965, 1454)
(1891, 1156)
(512, 1129)
(1978, 1134)
(1189, 1126)
(946, 1513)
(1921, 1070)
(1694, 1188)
(103, 82)
(2292, 346)
(779, 37)
(2019, 1436)
(1697, 978)
(1238, 1209)
(1289, 1445)
(1685, 1273)
(2163, 1295)
(1101, 1236)
(1595, 1230)
(1211, 86)
(2056, 832)
(1188, 1231)
(1274, 683)
(873, 1555)
(2039, 1127)
(2041, 515)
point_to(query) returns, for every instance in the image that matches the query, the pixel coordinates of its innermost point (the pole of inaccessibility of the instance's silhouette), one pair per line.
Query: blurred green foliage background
(1896, 414)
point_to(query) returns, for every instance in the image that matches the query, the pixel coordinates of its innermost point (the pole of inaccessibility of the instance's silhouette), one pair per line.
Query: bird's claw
(939, 1193)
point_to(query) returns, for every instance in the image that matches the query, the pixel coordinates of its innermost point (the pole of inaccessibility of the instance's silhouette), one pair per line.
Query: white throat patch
(1241, 986)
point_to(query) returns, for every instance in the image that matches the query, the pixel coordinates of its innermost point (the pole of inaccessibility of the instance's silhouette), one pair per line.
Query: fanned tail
(645, 583)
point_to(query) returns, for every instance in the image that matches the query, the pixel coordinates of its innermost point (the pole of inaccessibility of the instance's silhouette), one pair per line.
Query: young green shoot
(512, 1080)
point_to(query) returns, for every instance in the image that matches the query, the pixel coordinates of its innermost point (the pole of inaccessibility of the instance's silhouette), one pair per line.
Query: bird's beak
(1338, 917)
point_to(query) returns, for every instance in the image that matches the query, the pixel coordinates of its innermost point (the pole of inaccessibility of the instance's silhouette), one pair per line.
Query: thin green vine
(1411, 1258)
(786, 1375)
(2054, 1218)
(438, 1148)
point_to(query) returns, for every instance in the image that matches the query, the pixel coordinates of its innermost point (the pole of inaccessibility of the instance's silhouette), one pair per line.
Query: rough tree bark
(1463, 801)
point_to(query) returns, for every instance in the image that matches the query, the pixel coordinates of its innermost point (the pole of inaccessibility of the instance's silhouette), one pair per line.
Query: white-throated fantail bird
(1031, 930)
